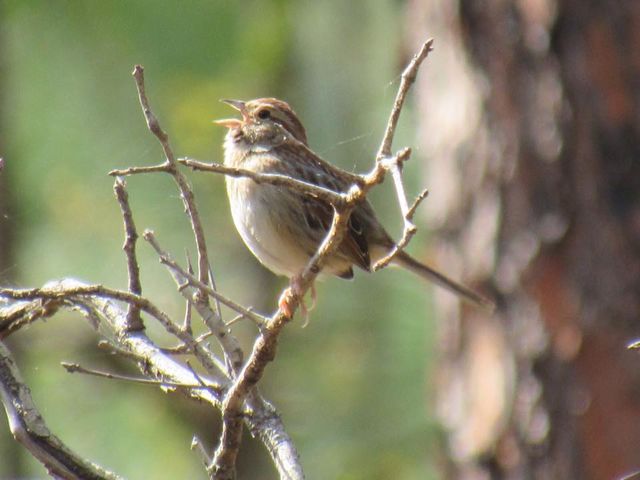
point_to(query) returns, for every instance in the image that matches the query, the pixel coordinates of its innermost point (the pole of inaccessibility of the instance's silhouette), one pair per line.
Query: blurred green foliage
(352, 387)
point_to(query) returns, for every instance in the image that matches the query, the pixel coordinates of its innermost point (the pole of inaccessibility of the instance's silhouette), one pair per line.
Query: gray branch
(105, 315)
(29, 428)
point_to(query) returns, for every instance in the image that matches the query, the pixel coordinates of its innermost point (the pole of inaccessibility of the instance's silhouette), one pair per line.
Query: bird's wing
(313, 169)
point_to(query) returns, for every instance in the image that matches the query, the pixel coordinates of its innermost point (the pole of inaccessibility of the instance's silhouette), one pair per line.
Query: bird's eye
(264, 114)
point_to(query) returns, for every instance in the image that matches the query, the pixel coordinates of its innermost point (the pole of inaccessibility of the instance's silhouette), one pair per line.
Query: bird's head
(265, 113)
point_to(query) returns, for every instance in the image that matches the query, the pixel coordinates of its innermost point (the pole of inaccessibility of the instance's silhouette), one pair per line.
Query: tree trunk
(530, 122)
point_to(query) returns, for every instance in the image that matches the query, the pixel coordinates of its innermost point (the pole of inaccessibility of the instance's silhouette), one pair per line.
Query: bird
(283, 227)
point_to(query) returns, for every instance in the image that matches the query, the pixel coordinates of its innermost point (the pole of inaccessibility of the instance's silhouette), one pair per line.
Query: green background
(354, 386)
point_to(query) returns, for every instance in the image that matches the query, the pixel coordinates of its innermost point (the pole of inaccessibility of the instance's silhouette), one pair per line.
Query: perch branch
(264, 349)
(316, 191)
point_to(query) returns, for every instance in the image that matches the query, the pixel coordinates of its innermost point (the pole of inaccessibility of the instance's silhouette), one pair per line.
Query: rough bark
(533, 161)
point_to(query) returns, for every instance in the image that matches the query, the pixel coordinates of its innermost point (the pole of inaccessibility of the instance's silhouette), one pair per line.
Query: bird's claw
(287, 297)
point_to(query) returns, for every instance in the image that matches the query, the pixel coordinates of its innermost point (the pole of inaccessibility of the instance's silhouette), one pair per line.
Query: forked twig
(172, 167)
(166, 259)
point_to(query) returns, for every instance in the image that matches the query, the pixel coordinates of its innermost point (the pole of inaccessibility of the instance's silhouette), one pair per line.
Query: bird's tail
(405, 260)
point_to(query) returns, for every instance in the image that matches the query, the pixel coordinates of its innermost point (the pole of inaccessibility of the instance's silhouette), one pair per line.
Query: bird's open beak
(234, 122)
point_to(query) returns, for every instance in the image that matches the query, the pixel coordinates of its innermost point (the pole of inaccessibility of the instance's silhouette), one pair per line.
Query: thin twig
(409, 231)
(77, 368)
(198, 446)
(186, 325)
(129, 247)
(124, 172)
(166, 259)
(183, 185)
(182, 349)
(216, 301)
(200, 380)
(634, 345)
(416, 203)
(242, 316)
(408, 77)
(395, 167)
(231, 347)
(326, 195)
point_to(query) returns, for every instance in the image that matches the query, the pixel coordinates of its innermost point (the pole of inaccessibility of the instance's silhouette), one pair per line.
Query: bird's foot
(284, 303)
(295, 290)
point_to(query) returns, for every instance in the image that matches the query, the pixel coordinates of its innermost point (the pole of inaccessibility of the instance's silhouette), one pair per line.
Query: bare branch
(408, 77)
(266, 425)
(329, 196)
(166, 259)
(196, 444)
(229, 343)
(184, 349)
(65, 291)
(181, 181)
(186, 324)
(416, 203)
(264, 348)
(129, 247)
(29, 428)
(394, 164)
(101, 312)
(77, 368)
(408, 232)
(15, 316)
(216, 302)
(162, 168)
